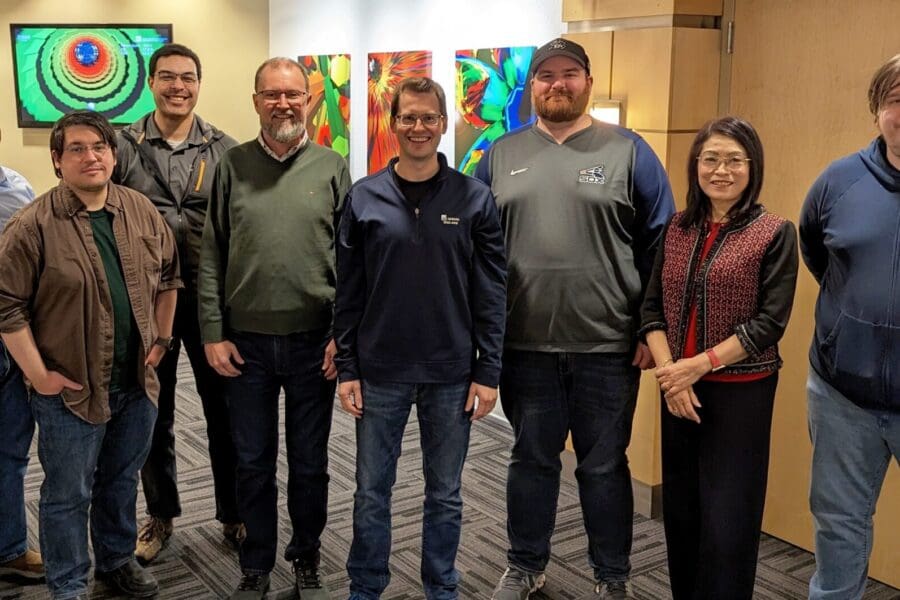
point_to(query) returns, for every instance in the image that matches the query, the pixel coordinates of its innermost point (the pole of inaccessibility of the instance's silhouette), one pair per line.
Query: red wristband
(714, 360)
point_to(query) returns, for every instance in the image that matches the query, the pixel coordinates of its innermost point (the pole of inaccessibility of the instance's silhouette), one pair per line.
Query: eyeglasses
(274, 96)
(188, 78)
(409, 120)
(80, 150)
(711, 162)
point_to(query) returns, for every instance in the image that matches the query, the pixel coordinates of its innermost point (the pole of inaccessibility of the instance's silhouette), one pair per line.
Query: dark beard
(557, 111)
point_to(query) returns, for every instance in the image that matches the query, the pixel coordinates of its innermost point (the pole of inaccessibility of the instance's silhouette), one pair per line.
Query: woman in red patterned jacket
(717, 303)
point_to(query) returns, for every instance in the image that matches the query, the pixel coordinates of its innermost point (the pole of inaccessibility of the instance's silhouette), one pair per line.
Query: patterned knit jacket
(744, 286)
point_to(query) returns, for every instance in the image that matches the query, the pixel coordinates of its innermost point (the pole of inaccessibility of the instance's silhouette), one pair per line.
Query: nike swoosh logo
(517, 171)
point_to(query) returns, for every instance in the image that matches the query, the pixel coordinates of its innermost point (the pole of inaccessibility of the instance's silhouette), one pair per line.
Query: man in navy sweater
(851, 245)
(419, 319)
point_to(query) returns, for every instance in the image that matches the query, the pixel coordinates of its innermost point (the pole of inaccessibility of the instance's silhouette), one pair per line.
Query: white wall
(363, 26)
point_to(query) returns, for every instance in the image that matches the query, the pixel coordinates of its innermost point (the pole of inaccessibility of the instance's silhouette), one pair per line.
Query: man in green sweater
(266, 289)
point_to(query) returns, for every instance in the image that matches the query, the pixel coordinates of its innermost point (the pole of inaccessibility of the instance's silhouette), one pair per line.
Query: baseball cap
(560, 47)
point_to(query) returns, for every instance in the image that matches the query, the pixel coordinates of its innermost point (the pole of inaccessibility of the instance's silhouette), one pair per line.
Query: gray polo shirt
(581, 222)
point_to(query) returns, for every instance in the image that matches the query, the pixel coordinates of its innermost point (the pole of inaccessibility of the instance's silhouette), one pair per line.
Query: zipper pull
(417, 212)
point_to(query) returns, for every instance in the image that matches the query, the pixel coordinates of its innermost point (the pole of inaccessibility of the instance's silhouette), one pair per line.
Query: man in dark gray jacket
(170, 156)
(582, 205)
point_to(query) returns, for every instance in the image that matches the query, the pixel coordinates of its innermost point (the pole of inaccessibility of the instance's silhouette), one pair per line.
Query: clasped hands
(676, 381)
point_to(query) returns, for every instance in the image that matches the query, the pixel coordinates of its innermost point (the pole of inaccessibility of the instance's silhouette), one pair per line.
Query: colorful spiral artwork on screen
(101, 68)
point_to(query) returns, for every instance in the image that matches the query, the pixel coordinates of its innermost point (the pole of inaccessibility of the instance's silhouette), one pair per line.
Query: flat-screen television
(61, 68)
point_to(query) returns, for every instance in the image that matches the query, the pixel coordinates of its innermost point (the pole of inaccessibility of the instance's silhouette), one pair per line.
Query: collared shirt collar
(195, 137)
(71, 204)
(294, 149)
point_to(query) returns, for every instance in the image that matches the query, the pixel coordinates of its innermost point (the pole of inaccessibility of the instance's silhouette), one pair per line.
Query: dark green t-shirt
(126, 338)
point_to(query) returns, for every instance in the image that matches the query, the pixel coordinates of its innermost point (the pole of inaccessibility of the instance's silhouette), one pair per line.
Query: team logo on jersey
(592, 175)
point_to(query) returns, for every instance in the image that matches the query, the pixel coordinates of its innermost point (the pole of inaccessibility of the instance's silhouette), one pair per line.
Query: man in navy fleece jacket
(419, 319)
(851, 245)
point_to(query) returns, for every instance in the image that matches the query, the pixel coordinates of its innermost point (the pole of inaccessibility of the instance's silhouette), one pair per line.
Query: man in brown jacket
(88, 280)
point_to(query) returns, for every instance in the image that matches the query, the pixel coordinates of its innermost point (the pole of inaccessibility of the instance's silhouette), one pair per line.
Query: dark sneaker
(614, 590)
(252, 587)
(131, 579)
(308, 583)
(518, 585)
(235, 534)
(152, 537)
(28, 566)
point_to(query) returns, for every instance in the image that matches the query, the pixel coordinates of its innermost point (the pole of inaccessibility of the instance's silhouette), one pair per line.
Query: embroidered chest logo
(449, 220)
(592, 175)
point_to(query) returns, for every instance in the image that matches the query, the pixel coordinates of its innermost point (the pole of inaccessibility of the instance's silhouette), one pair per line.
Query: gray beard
(288, 131)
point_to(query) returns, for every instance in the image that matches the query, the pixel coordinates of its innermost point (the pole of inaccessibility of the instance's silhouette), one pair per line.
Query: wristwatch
(166, 342)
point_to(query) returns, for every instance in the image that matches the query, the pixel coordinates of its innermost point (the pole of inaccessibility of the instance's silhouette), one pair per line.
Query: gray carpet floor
(198, 564)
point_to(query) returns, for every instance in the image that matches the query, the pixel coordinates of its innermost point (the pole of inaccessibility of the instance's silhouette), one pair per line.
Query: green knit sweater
(267, 256)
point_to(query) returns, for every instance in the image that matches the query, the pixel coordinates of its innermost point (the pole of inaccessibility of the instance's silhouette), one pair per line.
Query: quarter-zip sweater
(421, 290)
(850, 240)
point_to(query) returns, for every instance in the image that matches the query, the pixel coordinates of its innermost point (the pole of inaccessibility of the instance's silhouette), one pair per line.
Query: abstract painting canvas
(386, 69)
(491, 99)
(328, 118)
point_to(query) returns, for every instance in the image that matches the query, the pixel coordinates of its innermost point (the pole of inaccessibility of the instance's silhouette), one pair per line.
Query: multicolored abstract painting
(328, 119)
(491, 99)
(386, 69)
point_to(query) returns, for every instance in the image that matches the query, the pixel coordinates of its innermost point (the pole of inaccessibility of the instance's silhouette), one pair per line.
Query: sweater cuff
(348, 369)
(212, 332)
(486, 375)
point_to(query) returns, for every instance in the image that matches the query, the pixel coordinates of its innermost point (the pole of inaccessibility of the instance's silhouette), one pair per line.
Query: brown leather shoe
(28, 566)
(152, 537)
(234, 533)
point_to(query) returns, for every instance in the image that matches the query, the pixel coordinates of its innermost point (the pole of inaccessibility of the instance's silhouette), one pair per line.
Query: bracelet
(668, 362)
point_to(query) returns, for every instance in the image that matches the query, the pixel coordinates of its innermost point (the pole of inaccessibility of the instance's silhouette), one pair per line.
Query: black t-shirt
(416, 191)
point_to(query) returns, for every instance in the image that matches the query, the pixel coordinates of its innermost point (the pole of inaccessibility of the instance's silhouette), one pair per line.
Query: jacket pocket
(152, 252)
(853, 356)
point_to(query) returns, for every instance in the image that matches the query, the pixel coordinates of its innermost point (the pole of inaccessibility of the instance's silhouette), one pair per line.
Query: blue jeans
(852, 448)
(271, 363)
(90, 473)
(18, 427)
(545, 396)
(444, 437)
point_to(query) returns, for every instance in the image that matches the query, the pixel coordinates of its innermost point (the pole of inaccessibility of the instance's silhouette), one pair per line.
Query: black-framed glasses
(409, 119)
(80, 150)
(189, 78)
(711, 162)
(274, 96)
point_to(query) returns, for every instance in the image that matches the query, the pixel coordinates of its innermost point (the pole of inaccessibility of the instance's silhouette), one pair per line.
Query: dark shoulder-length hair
(698, 206)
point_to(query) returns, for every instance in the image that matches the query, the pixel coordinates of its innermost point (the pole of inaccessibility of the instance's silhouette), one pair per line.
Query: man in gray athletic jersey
(583, 205)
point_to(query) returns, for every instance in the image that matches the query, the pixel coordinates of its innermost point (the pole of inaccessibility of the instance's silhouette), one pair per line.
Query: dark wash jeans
(444, 438)
(293, 363)
(90, 474)
(159, 475)
(15, 440)
(545, 396)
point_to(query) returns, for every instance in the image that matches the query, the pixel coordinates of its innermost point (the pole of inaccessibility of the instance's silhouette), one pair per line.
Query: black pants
(159, 474)
(714, 489)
